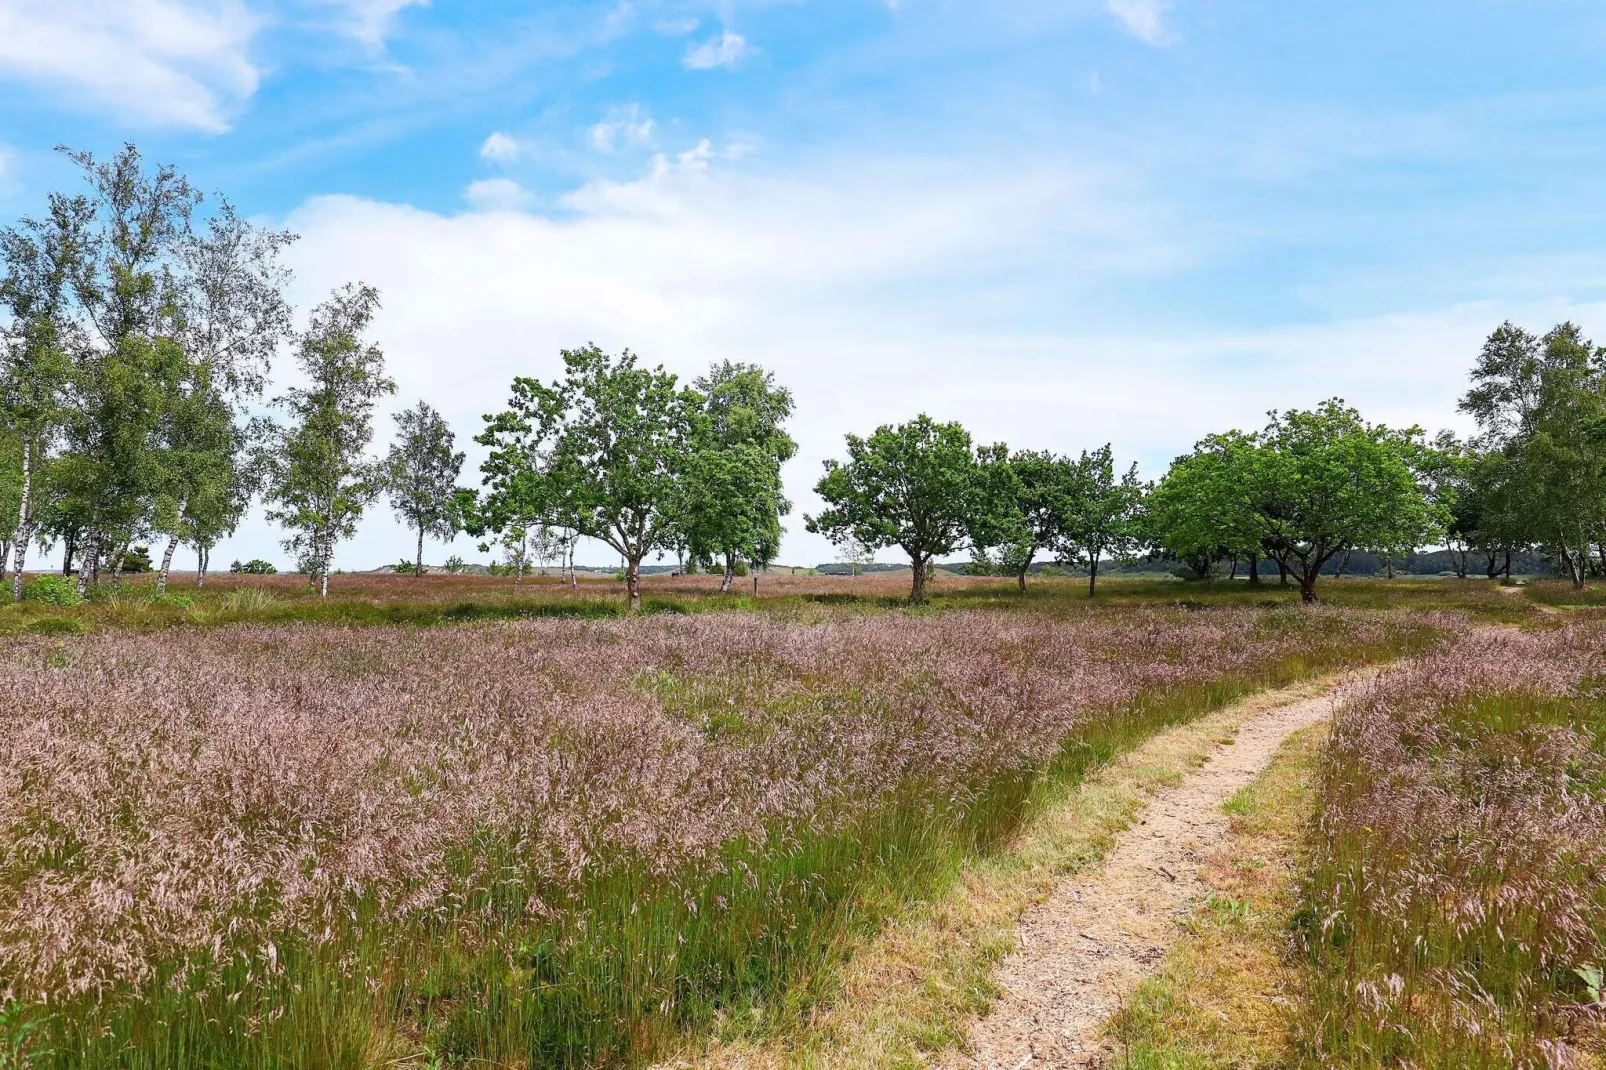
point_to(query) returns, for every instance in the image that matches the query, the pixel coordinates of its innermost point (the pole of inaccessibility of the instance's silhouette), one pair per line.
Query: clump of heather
(1457, 903)
(546, 842)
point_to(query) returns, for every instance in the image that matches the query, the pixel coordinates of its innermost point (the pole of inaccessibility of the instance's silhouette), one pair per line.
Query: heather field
(1456, 910)
(547, 842)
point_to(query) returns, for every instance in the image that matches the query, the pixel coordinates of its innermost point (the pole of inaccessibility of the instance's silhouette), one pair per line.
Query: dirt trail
(1084, 950)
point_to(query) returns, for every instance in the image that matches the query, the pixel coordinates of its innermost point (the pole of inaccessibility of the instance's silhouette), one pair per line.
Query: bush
(247, 600)
(254, 567)
(53, 591)
(138, 559)
(455, 564)
(56, 626)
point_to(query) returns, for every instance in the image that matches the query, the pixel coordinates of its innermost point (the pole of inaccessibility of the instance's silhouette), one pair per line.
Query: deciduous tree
(421, 476)
(318, 475)
(914, 486)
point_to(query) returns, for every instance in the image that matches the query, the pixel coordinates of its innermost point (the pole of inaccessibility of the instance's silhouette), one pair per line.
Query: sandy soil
(1083, 951)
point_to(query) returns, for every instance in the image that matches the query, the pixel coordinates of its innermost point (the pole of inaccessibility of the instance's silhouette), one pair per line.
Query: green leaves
(916, 486)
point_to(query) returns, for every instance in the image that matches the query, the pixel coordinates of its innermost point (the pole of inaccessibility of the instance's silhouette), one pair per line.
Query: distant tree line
(138, 327)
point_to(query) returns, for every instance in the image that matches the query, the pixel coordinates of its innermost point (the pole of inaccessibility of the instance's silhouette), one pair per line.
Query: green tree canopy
(914, 486)
(318, 475)
(1327, 482)
(1104, 514)
(601, 451)
(421, 476)
(1202, 511)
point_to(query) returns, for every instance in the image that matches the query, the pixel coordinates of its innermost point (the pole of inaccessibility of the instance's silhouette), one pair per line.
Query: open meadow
(523, 829)
(543, 842)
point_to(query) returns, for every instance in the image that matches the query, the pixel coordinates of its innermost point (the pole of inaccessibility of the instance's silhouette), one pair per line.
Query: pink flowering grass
(1458, 897)
(540, 843)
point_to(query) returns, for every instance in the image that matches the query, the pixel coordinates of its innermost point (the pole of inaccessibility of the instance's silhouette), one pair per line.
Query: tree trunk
(24, 532)
(755, 583)
(167, 564)
(203, 556)
(69, 551)
(1210, 576)
(1307, 588)
(1508, 564)
(1092, 575)
(1234, 573)
(1282, 574)
(917, 593)
(24, 537)
(117, 564)
(89, 571)
(1022, 579)
(730, 574)
(1254, 570)
(633, 583)
(5, 557)
(418, 566)
(1343, 563)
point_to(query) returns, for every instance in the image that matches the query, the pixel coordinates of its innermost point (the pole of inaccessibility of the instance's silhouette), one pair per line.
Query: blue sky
(1063, 222)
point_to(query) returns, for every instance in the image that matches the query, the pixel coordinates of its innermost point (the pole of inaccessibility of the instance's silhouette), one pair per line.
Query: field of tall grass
(1456, 911)
(551, 842)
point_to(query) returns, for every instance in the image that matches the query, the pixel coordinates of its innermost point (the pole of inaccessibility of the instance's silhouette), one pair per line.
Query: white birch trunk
(167, 564)
(24, 534)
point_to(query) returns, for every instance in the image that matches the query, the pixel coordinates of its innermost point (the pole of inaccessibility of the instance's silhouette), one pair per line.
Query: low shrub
(173, 601)
(53, 591)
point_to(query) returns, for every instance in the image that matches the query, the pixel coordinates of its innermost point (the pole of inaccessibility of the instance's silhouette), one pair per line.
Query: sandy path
(1084, 950)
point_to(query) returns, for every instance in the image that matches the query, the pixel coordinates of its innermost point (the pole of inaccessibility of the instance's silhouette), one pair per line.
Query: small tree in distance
(421, 476)
(1103, 514)
(913, 486)
(318, 478)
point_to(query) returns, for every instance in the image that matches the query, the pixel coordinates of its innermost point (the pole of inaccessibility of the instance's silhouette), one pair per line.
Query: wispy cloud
(167, 62)
(722, 50)
(628, 126)
(497, 195)
(370, 21)
(501, 148)
(1143, 19)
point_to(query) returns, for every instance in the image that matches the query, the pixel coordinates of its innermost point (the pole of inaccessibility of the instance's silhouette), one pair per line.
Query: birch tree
(421, 476)
(319, 478)
(40, 260)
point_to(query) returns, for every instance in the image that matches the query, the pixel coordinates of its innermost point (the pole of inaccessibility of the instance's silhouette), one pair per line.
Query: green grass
(634, 960)
(132, 607)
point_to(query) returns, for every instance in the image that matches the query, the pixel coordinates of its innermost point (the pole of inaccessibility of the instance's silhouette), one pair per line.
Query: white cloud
(497, 195)
(623, 126)
(722, 50)
(500, 148)
(370, 21)
(815, 276)
(1143, 19)
(677, 27)
(169, 62)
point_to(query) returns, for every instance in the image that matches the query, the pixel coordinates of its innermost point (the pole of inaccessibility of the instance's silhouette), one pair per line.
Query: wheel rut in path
(1083, 951)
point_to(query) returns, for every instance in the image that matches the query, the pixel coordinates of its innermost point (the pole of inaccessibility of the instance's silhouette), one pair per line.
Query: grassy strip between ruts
(912, 989)
(1225, 995)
